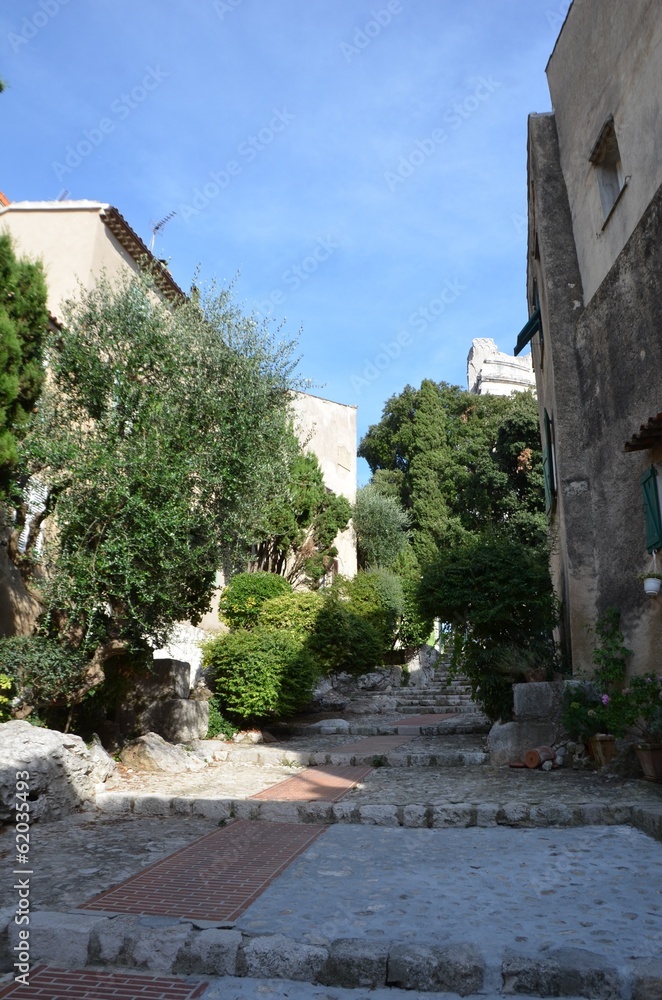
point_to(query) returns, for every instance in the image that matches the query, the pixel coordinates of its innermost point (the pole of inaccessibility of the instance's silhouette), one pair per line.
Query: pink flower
(605, 699)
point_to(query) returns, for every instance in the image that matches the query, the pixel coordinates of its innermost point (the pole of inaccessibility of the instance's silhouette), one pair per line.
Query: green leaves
(23, 324)
(161, 433)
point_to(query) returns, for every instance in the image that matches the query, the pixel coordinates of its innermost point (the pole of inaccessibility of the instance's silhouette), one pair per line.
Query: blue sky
(360, 166)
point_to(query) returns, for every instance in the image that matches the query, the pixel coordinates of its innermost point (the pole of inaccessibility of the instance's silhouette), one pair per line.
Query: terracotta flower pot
(650, 758)
(602, 748)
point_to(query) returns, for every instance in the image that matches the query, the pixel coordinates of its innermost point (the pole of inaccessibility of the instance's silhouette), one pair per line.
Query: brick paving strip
(424, 720)
(315, 784)
(216, 877)
(70, 984)
(374, 744)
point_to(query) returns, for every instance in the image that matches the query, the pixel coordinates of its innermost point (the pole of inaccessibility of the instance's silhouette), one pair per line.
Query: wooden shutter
(651, 510)
(549, 464)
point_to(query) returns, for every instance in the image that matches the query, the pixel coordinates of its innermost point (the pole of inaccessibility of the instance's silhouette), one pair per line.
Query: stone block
(647, 980)
(541, 701)
(315, 812)
(567, 972)
(115, 803)
(345, 812)
(277, 957)
(453, 969)
(379, 815)
(158, 948)
(514, 814)
(454, 814)
(551, 814)
(211, 952)
(509, 741)
(354, 964)
(486, 814)
(415, 816)
(216, 809)
(178, 720)
(61, 939)
(112, 940)
(152, 805)
(279, 812)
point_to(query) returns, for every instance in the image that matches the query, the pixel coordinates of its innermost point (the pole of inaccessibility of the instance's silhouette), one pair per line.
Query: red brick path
(374, 744)
(69, 984)
(216, 877)
(424, 720)
(315, 784)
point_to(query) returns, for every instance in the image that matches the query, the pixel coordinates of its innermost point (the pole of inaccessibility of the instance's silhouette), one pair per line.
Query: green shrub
(218, 726)
(43, 672)
(260, 673)
(378, 598)
(296, 612)
(343, 641)
(415, 626)
(241, 600)
(5, 702)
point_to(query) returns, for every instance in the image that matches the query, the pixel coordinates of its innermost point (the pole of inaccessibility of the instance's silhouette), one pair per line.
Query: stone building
(490, 372)
(595, 303)
(77, 241)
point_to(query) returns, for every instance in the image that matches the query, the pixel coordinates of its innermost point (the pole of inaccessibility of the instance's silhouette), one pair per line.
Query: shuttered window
(652, 510)
(549, 463)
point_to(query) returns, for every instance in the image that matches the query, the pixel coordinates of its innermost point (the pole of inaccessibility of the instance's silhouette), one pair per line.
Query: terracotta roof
(142, 255)
(647, 436)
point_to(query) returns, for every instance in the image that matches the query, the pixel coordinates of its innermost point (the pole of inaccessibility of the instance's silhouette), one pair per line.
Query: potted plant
(643, 700)
(652, 583)
(595, 712)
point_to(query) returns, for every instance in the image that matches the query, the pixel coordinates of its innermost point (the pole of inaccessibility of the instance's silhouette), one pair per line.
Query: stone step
(398, 757)
(171, 946)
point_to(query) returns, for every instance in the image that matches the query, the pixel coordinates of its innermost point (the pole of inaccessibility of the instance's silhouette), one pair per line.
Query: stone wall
(536, 723)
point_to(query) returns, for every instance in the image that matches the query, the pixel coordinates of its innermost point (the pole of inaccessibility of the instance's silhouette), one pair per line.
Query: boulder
(152, 753)
(509, 741)
(63, 773)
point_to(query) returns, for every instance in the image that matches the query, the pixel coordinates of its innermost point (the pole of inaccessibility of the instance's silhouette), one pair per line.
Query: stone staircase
(440, 694)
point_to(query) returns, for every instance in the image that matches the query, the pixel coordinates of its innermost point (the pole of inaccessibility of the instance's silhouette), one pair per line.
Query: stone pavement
(553, 891)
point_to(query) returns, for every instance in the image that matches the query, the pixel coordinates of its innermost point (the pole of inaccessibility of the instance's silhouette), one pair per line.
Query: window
(606, 158)
(652, 510)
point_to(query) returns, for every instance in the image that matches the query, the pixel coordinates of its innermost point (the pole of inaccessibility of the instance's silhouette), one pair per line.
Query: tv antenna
(159, 226)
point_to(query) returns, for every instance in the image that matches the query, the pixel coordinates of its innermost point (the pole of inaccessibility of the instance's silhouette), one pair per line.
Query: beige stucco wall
(329, 430)
(71, 240)
(608, 61)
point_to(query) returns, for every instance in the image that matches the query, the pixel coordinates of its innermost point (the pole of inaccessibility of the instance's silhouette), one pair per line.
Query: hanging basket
(652, 585)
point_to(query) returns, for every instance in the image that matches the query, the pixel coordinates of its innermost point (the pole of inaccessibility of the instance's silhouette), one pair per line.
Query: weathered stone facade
(490, 372)
(597, 278)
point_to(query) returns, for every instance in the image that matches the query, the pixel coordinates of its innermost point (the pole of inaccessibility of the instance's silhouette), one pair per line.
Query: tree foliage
(160, 438)
(459, 463)
(300, 526)
(241, 601)
(23, 326)
(496, 594)
(381, 527)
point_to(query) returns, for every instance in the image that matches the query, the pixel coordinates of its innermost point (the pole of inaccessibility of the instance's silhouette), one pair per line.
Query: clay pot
(602, 748)
(650, 758)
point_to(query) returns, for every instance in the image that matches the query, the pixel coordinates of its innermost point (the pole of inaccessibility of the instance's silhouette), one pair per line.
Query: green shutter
(652, 510)
(548, 464)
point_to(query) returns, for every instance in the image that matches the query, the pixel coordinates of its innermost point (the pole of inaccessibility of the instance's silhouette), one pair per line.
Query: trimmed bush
(259, 673)
(378, 598)
(343, 641)
(241, 600)
(296, 612)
